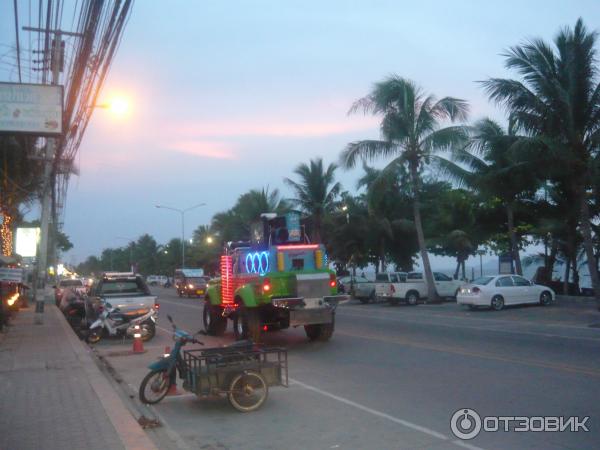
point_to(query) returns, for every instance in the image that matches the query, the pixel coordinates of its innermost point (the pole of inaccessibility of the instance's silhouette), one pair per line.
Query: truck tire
(321, 332)
(412, 297)
(247, 324)
(214, 323)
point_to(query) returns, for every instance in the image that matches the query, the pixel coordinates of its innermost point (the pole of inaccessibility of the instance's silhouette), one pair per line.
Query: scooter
(115, 323)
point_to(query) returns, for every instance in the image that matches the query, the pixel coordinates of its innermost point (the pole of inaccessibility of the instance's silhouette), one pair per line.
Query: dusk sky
(229, 96)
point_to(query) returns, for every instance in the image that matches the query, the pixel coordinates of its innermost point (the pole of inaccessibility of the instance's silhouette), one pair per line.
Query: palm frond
(366, 150)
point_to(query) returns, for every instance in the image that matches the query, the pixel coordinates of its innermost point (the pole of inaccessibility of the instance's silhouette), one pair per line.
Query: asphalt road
(392, 377)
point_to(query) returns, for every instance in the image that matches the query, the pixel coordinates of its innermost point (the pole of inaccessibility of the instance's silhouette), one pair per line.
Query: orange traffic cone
(138, 344)
(173, 387)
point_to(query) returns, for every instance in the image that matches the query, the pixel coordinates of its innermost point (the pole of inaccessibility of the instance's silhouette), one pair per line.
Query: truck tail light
(266, 285)
(332, 281)
(156, 305)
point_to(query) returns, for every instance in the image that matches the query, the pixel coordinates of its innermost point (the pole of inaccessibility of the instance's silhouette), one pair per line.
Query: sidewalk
(52, 394)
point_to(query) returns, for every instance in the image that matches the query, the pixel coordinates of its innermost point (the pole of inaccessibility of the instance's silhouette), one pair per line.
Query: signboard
(292, 221)
(26, 241)
(11, 275)
(31, 108)
(191, 273)
(505, 264)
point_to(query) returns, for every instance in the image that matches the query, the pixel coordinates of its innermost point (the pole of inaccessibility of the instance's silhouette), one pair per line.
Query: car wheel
(412, 298)
(545, 298)
(372, 297)
(497, 303)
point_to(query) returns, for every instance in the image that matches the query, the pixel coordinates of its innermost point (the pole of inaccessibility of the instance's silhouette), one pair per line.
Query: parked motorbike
(72, 305)
(113, 322)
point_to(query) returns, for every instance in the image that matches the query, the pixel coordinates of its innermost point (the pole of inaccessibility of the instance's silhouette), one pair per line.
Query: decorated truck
(276, 280)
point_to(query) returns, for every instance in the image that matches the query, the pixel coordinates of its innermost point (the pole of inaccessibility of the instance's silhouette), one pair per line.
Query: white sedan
(497, 291)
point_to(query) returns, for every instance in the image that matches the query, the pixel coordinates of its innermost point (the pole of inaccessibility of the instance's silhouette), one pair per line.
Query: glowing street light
(209, 240)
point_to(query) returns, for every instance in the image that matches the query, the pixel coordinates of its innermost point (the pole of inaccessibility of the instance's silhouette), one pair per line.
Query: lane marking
(480, 328)
(546, 365)
(374, 412)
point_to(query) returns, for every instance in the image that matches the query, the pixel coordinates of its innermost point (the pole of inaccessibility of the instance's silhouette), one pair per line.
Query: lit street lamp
(182, 212)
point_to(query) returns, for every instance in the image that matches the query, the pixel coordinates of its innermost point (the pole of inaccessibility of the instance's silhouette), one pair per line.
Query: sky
(228, 96)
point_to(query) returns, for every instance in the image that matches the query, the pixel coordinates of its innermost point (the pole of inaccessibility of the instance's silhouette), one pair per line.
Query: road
(392, 377)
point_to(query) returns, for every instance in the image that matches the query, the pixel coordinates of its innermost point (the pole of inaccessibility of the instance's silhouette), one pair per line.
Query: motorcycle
(242, 371)
(72, 306)
(113, 322)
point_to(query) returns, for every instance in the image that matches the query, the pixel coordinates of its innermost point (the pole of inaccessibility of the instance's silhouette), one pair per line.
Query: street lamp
(209, 240)
(182, 212)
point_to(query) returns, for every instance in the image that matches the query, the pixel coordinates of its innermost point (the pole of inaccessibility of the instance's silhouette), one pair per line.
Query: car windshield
(482, 281)
(71, 283)
(110, 287)
(199, 280)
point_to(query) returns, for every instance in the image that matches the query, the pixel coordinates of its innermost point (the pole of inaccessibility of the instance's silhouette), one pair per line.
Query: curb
(129, 431)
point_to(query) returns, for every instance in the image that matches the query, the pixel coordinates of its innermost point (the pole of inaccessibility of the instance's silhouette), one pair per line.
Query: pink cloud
(207, 149)
(275, 128)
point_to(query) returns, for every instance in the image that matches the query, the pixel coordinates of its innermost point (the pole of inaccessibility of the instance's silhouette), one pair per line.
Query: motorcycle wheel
(94, 336)
(155, 386)
(150, 328)
(248, 391)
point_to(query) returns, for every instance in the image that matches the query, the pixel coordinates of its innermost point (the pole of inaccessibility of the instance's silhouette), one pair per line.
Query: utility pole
(51, 144)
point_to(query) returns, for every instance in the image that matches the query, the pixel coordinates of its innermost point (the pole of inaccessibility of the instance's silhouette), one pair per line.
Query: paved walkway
(52, 394)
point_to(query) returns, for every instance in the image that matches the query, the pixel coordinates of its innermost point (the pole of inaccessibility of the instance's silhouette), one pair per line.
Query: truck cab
(276, 280)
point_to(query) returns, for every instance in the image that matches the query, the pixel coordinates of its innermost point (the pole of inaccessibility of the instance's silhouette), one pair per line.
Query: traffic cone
(138, 344)
(173, 387)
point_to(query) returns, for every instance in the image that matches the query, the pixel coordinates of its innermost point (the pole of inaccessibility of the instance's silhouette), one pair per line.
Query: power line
(17, 35)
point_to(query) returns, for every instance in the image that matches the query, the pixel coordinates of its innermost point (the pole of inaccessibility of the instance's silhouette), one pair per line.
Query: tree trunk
(552, 258)
(566, 276)
(588, 244)
(457, 268)
(432, 295)
(514, 248)
(464, 270)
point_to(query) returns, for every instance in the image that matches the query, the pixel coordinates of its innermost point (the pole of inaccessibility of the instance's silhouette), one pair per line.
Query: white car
(497, 291)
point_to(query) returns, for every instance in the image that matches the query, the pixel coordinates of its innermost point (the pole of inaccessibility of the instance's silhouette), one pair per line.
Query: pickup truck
(124, 290)
(384, 281)
(414, 288)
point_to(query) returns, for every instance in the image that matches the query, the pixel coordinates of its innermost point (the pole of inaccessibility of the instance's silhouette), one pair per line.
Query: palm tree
(558, 101)
(494, 171)
(316, 192)
(411, 135)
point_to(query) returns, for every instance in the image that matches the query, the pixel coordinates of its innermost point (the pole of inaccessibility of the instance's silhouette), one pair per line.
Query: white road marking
(405, 423)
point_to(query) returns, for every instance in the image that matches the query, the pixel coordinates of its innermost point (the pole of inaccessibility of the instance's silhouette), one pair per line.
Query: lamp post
(182, 213)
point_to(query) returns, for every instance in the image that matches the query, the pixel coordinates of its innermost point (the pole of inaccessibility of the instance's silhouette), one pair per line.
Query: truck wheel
(247, 324)
(321, 332)
(412, 298)
(214, 323)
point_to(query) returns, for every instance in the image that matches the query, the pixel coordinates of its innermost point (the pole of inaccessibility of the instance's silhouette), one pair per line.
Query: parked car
(72, 283)
(124, 290)
(414, 288)
(362, 288)
(384, 281)
(498, 291)
(157, 280)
